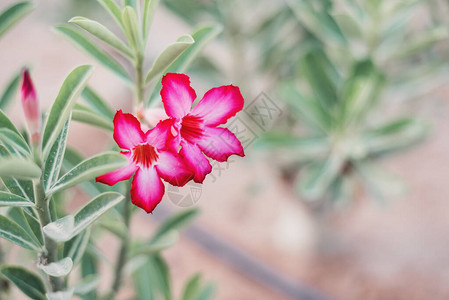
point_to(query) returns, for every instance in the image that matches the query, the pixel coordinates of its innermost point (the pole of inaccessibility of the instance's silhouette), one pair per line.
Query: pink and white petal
(177, 94)
(127, 131)
(219, 104)
(195, 160)
(162, 134)
(220, 143)
(147, 189)
(123, 173)
(173, 169)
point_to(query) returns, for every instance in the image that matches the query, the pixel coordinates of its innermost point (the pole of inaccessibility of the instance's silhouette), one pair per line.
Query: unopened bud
(30, 106)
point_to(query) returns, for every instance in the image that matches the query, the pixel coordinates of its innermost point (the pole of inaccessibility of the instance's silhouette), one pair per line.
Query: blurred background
(343, 190)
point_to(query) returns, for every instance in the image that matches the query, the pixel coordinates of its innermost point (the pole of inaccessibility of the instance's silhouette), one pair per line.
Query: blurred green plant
(355, 58)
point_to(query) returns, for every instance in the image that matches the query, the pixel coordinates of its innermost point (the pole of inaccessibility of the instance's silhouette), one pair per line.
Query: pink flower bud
(30, 106)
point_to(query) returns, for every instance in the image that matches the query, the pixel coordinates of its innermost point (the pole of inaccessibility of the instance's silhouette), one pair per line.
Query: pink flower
(149, 161)
(196, 128)
(30, 106)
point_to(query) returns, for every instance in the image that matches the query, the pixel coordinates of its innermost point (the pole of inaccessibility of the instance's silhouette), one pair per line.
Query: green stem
(50, 253)
(140, 86)
(121, 259)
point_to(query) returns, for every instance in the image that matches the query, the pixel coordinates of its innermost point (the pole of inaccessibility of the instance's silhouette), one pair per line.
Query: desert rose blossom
(196, 129)
(149, 161)
(30, 105)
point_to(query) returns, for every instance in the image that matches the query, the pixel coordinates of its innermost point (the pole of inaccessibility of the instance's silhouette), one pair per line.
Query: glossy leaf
(87, 116)
(102, 33)
(68, 227)
(97, 104)
(8, 199)
(202, 37)
(10, 91)
(53, 162)
(15, 234)
(60, 268)
(19, 168)
(13, 14)
(89, 169)
(71, 88)
(168, 56)
(90, 48)
(29, 283)
(14, 143)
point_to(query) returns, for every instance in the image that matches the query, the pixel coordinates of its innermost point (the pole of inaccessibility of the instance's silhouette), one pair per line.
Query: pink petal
(127, 132)
(161, 136)
(220, 143)
(124, 173)
(173, 169)
(147, 189)
(177, 95)
(196, 161)
(219, 104)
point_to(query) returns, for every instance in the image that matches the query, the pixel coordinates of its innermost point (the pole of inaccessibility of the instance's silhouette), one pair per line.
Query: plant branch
(50, 253)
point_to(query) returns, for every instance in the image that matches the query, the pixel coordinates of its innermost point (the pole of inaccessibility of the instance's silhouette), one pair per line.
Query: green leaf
(8, 199)
(113, 9)
(163, 242)
(14, 233)
(65, 295)
(14, 143)
(10, 91)
(60, 268)
(168, 56)
(19, 168)
(202, 37)
(90, 48)
(152, 279)
(193, 288)
(149, 9)
(28, 223)
(175, 222)
(132, 32)
(14, 14)
(86, 115)
(102, 33)
(76, 247)
(54, 160)
(61, 108)
(5, 122)
(89, 169)
(66, 228)
(29, 283)
(97, 104)
(87, 285)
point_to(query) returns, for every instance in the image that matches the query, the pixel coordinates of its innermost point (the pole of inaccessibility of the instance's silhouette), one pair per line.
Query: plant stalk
(50, 253)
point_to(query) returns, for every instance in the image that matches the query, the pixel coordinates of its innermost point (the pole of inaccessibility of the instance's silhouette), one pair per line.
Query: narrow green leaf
(151, 280)
(19, 168)
(97, 104)
(87, 285)
(27, 223)
(65, 295)
(163, 242)
(29, 283)
(113, 9)
(60, 268)
(89, 267)
(76, 247)
(5, 122)
(10, 91)
(132, 32)
(168, 56)
(90, 48)
(202, 37)
(86, 115)
(175, 222)
(192, 288)
(66, 228)
(61, 108)
(102, 33)
(14, 14)
(89, 169)
(8, 199)
(14, 143)
(14, 233)
(54, 160)
(149, 9)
